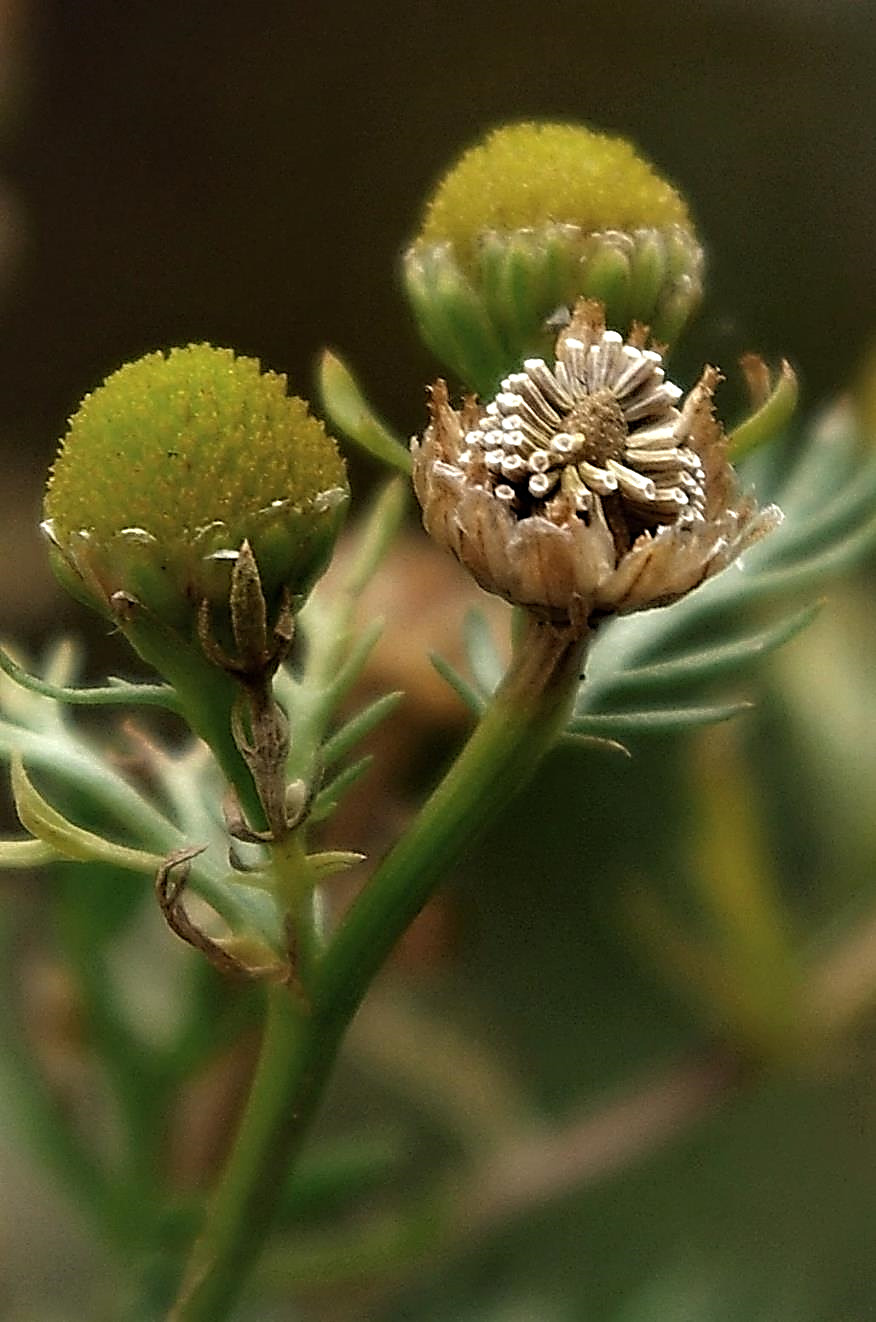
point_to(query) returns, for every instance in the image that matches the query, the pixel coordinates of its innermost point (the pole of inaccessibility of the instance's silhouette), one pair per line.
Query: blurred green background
(176, 172)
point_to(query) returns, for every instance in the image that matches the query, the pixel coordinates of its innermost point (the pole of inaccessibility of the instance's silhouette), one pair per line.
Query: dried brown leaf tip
(589, 487)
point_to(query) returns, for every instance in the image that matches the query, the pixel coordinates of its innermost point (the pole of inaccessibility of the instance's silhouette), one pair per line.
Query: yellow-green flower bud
(530, 220)
(170, 466)
(195, 503)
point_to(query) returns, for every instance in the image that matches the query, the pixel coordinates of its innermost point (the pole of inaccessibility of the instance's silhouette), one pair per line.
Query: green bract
(175, 461)
(532, 219)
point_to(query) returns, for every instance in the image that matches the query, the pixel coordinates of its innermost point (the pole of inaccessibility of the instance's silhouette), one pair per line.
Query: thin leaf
(460, 686)
(358, 727)
(820, 463)
(377, 531)
(116, 693)
(812, 571)
(570, 740)
(64, 837)
(838, 513)
(331, 794)
(771, 418)
(354, 665)
(483, 656)
(332, 861)
(713, 662)
(349, 411)
(656, 720)
(26, 853)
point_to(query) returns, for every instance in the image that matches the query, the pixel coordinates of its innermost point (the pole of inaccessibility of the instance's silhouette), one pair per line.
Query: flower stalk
(526, 715)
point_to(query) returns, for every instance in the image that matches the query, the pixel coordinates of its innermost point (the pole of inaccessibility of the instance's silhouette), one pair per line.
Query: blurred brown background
(248, 176)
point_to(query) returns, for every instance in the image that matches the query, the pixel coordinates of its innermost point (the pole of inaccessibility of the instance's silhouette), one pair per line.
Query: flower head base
(587, 488)
(532, 219)
(175, 463)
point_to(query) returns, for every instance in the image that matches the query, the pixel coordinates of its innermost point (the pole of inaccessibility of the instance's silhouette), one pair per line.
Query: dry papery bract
(589, 487)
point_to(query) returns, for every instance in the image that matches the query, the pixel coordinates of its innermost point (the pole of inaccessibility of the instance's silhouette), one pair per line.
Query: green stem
(285, 1091)
(206, 696)
(527, 713)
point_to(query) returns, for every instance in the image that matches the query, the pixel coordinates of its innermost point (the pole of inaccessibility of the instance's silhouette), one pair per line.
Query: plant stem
(285, 1091)
(526, 714)
(206, 696)
(528, 711)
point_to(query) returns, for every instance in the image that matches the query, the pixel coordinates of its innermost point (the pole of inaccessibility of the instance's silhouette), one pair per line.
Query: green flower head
(530, 220)
(171, 465)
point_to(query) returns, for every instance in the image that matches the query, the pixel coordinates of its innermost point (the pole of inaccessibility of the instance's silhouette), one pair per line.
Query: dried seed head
(529, 221)
(586, 487)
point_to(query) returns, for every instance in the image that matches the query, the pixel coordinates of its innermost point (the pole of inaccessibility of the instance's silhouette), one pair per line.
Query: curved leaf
(655, 720)
(65, 838)
(26, 853)
(771, 418)
(348, 410)
(331, 794)
(714, 662)
(460, 686)
(117, 693)
(358, 727)
(486, 663)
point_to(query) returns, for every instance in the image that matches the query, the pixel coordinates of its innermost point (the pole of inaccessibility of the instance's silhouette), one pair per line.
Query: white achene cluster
(601, 426)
